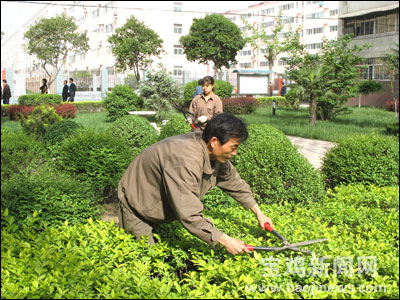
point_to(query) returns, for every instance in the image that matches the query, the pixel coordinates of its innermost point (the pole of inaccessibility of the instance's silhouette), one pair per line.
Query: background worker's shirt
(167, 181)
(200, 107)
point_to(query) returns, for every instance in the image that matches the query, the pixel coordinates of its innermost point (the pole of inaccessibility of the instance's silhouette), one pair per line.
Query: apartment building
(318, 20)
(99, 19)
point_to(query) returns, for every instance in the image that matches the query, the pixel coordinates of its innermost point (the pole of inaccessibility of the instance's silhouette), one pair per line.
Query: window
(245, 52)
(289, 20)
(333, 12)
(178, 28)
(282, 35)
(267, 11)
(387, 23)
(72, 58)
(80, 21)
(246, 16)
(314, 46)
(265, 64)
(178, 71)
(315, 15)
(364, 28)
(376, 70)
(81, 56)
(333, 28)
(282, 63)
(109, 49)
(315, 30)
(96, 13)
(177, 6)
(245, 65)
(109, 28)
(108, 7)
(286, 6)
(233, 19)
(178, 50)
(311, 2)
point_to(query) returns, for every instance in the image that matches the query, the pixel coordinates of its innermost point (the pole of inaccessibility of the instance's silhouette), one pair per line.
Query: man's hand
(232, 245)
(262, 219)
(189, 121)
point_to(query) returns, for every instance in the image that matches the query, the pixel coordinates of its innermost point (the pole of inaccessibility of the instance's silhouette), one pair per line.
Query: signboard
(253, 82)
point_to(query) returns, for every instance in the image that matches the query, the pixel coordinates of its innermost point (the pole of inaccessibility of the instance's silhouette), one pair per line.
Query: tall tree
(52, 39)
(213, 38)
(134, 44)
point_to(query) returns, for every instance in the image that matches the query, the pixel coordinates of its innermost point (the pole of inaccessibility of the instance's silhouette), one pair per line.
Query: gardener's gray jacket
(167, 180)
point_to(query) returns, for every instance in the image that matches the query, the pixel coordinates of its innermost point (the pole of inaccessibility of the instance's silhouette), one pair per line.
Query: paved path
(313, 150)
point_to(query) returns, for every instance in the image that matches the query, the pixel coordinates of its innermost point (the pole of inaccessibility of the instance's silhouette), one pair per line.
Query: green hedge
(176, 126)
(275, 170)
(98, 260)
(366, 159)
(90, 106)
(40, 120)
(96, 157)
(4, 110)
(120, 101)
(40, 99)
(136, 131)
(267, 101)
(20, 154)
(59, 197)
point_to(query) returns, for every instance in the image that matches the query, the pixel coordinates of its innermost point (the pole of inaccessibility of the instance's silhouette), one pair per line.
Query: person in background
(271, 89)
(6, 93)
(199, 89)
(72, 90)
(65, 93)
(205, 106)
(283, 90)
(167, 181)
(44, 89)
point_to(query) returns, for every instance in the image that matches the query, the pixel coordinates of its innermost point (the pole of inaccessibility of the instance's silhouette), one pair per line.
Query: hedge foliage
(136, 131)
(121, 100)
(98, 260)
(96, 157)
(267, 101)
(176, 126)
(40, 120)
(20, 154)
(58, 196)
(90, 106)
(40, 99)
(275, 170)
(240, 105)
(393, 128)
(366, 159)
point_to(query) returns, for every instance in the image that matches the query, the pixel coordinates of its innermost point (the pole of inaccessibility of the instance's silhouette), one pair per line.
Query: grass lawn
(365, 120)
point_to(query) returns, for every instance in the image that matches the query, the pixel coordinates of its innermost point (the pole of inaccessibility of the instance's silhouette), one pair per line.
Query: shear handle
(269, 228)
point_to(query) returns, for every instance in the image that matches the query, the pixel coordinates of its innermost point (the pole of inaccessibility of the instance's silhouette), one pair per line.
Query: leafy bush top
(240, 105)
(40, 120)
(366, 159)
(40, 99)
(176, 126)
(121, 100)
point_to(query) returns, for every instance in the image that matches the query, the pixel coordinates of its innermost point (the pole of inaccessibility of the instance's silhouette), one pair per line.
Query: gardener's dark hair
(200, 82)
(208, 79)
(224, 127)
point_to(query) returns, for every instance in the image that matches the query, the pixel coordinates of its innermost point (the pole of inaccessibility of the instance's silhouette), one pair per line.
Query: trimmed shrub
(176, 126)
(121, 100)
(188, 91)
(136, 131)
(275, 170)
(393, 128)
(40, 99)
(20, 154)
(19, 112)
(57, 133)
(365, 159)
(240, 105)
(90, 106)
(66, 110)
(96, 157)
(267, 101)
(59, 197)
(40, 120)
(4, 109)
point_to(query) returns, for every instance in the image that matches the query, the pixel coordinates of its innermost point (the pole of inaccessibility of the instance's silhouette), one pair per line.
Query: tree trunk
(313, 109)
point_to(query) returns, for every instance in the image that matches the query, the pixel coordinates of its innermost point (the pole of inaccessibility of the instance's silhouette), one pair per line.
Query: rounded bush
(40, 120)
(176, 126)
(365, 159)
(97, 157)
(58, 133)
(121, 100)
(136, 131)
(240, 105)
(20, 153)
(59, 197)
(275, 170)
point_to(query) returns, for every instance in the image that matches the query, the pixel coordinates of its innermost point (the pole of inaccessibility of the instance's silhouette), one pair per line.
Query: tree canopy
(52, 39)
(134, 44)
(213, 38)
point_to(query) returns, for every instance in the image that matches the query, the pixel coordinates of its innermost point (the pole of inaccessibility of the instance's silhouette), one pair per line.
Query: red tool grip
(268, 227)
(249, 247)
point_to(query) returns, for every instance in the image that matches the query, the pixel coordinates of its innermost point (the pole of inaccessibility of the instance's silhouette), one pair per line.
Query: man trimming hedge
(167, 181)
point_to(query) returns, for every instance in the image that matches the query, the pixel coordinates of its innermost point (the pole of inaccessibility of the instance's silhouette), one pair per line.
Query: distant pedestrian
(65, 93)
(72, 90)
(271, 89)
(199, 88)
(283, 90)
(6, 93)
(44, 89)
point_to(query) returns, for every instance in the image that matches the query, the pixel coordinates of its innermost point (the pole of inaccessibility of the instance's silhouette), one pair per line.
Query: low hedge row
(268, 101)
(240, 105)
(40, 99)
(99, 260)
(17, 111)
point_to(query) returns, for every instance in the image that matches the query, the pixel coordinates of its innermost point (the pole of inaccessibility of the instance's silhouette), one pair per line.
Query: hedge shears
(185, 113)
(286, 244)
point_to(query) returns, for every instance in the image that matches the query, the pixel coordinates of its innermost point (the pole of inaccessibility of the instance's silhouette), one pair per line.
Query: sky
(15, 14)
